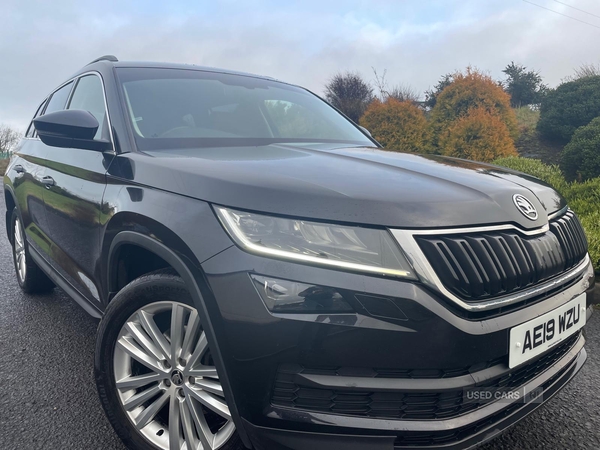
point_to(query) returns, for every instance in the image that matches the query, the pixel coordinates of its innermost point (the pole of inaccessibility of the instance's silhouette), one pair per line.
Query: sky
(43, 42)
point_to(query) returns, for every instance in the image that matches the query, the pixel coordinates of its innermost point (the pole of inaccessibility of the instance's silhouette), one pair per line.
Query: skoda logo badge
(525, 206)
(177, 378)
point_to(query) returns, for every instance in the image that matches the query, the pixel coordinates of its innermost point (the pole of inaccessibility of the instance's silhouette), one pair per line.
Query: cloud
(42, 43)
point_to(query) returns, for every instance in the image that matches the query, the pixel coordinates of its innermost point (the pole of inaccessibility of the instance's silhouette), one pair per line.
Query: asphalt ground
(48, 397)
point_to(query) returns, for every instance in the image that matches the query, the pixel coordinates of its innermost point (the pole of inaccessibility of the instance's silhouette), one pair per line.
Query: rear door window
(31, 130)
(59, 99)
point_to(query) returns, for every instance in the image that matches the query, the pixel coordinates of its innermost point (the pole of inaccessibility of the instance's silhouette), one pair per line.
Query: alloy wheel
(19, 251)
(166, 380)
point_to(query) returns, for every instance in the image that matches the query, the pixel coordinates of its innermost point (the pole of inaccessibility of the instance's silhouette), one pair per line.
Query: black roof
(113, 61)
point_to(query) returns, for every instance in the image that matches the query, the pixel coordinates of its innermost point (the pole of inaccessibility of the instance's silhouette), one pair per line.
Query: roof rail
(111, 58)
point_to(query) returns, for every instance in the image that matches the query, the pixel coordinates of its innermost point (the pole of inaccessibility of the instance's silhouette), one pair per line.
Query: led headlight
(344, 247)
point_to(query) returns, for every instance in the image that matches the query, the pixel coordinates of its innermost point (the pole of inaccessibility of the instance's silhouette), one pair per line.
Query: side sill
(64, 284)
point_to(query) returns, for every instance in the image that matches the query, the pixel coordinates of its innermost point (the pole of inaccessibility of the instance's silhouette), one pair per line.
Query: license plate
(533, 338)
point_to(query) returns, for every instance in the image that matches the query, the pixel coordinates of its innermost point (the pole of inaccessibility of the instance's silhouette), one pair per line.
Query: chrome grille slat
(478, 266)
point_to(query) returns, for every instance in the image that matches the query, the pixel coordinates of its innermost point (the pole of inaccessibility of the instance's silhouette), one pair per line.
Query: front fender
(203, 299)
(10, 201)
(186, 226)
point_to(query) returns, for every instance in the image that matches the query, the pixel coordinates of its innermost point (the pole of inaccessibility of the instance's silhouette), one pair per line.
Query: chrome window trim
(426, 273)
(75, 81)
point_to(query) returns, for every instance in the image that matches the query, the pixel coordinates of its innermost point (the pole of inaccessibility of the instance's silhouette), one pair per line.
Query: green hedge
(580, 160)
(583, 198)
(568, 107)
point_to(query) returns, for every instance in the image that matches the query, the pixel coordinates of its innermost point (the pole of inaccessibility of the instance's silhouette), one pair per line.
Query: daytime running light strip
(251, 246)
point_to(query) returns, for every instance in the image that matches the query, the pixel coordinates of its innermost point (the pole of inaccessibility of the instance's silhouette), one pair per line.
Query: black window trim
(75, 81)
(38, 112)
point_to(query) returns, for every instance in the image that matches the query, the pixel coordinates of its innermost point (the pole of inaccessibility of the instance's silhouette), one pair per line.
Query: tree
(9, 138)
(349, 93)
(583, 71)
(524, 86)
(467, 91)
(571, 105)
(580, 159)
(432, 94)
(479, 135)
(403, 93)
(397, 125)
(400, 92)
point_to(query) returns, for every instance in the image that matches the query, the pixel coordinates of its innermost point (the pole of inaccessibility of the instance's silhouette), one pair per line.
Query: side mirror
(367, 132)
(71, 128)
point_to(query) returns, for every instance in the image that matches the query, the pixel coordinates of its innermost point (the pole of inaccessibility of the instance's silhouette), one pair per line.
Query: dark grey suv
(268, 277)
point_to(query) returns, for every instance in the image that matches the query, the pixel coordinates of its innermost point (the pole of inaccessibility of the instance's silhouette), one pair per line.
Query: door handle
(19, 168)
(48, 181)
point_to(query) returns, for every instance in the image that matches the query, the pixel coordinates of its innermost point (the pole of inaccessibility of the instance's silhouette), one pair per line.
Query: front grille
(399, 405)
(483, 265)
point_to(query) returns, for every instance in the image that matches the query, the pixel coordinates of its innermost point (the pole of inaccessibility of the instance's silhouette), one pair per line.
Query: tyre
(155, 375)
(30, 277)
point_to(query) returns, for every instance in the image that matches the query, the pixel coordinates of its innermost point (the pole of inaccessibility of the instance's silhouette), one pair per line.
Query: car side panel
(185, 229)
(73, 210)
(24, 178)
(185, 225)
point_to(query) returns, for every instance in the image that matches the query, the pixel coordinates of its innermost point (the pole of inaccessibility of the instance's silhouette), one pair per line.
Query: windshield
(176, 108)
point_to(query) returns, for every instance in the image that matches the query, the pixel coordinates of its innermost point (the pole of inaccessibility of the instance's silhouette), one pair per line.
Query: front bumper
(426, 342)
(464, 432)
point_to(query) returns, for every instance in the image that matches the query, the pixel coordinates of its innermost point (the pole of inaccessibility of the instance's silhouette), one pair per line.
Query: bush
(550, 174)
(580, 159)
(349, 93)
(432, 94)
(591, 225)
(471, 90)
(479, 136)
(568, 107)
(397, 125)
(583, 198)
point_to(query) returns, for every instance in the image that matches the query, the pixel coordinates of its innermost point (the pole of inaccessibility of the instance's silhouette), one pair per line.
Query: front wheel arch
(198, 291)
(10, 202)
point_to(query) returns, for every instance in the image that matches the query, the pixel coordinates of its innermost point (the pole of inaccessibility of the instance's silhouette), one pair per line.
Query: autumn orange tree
(472, 118)
(478, 135)
(471, 90)
(397, 125)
